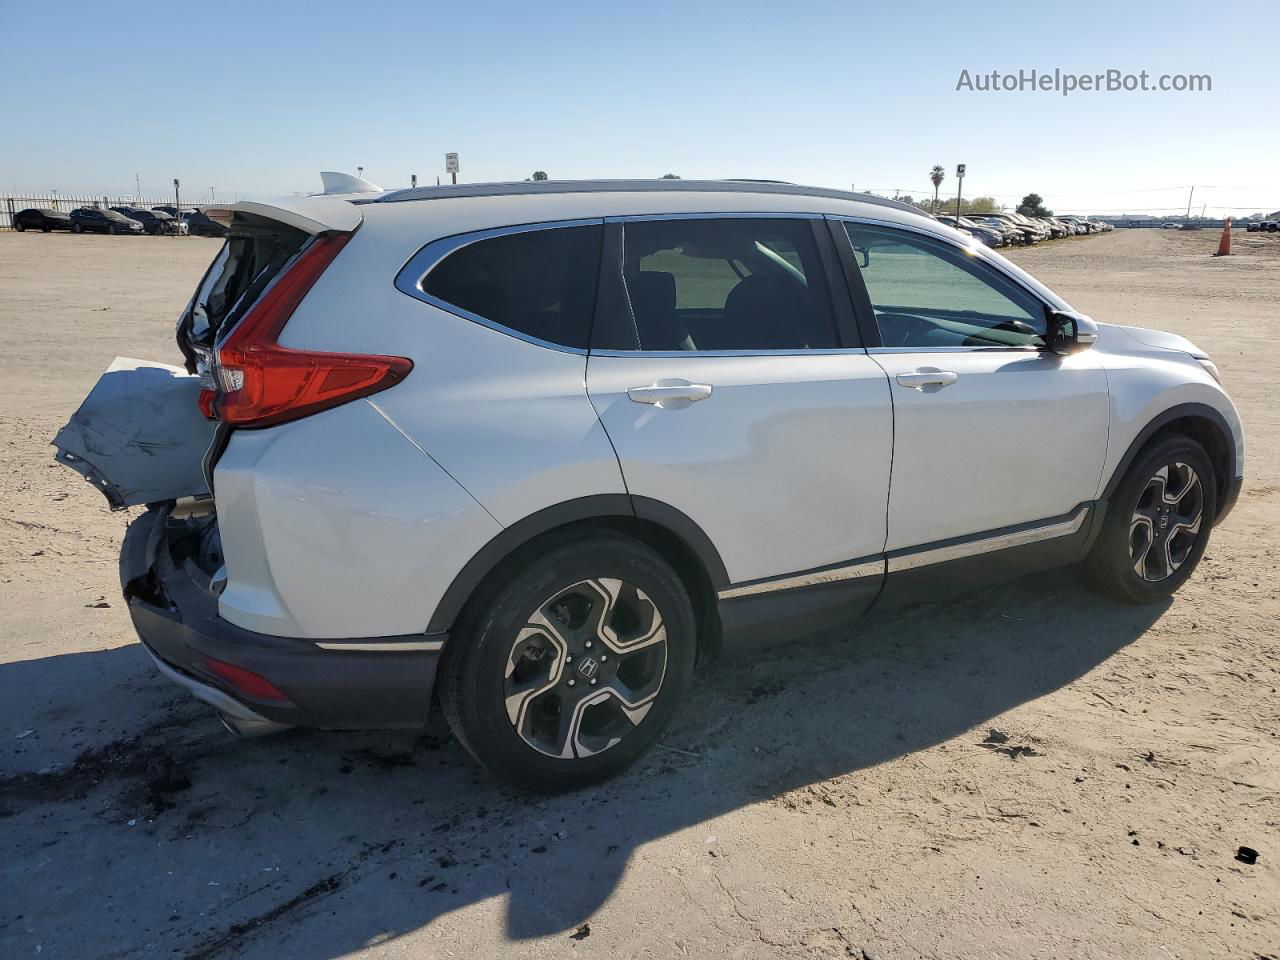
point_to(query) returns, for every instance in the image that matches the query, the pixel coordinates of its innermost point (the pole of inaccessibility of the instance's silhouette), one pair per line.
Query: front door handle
(928, 378)
(670, 394)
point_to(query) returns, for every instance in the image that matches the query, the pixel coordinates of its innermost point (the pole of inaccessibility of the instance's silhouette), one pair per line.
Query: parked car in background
(201, 226)
(1011, 234)
(93, 220)
(540, 478)
(153, 221)
(1029, 232)
(43, 219)
(984, 232)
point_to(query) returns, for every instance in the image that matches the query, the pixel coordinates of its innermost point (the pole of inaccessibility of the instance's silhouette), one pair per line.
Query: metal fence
(11, 203)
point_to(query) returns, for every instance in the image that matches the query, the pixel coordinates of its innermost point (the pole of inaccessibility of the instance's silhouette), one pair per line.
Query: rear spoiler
(309, 214)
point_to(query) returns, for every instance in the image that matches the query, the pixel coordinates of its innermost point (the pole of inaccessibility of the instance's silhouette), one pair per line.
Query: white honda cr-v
(540, 447)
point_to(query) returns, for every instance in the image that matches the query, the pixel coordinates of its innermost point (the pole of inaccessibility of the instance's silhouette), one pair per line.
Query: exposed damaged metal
(139, 436)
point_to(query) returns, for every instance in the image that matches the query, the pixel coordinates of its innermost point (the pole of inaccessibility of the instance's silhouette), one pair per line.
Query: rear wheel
(19, 226)
(45, 229)
(1158, 522)
(569, 669)
(76, 228)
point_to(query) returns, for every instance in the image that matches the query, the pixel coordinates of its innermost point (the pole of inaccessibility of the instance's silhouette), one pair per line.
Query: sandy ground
(831, 799)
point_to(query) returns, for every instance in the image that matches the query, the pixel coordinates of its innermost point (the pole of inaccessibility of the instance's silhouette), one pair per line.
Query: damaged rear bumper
(368, 682)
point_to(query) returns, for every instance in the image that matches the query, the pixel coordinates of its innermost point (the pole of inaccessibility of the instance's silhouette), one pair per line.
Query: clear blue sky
(256, 97)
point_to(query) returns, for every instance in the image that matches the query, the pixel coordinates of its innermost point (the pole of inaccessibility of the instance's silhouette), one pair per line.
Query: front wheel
(571, 666)
(19, 227)
(1157, 524)
(76, 228)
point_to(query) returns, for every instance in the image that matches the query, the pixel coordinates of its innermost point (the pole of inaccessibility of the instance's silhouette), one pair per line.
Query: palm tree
(936, 175)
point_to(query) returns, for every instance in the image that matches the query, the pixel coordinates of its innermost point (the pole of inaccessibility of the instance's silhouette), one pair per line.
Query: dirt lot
(839, 798)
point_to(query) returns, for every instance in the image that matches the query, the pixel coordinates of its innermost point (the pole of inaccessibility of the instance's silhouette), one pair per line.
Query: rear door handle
(927, 378)
(670, 394)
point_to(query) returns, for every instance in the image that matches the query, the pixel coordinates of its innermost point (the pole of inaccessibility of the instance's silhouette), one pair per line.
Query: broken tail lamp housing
(261, 383)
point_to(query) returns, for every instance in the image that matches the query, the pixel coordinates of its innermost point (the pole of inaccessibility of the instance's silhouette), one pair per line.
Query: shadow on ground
(179, 838)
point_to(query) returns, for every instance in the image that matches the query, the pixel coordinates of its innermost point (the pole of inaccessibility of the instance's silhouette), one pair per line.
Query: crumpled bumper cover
(380, 682)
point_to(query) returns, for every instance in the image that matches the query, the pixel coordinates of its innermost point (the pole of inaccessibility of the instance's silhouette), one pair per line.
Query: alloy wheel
(585, 668)
(1166, 522)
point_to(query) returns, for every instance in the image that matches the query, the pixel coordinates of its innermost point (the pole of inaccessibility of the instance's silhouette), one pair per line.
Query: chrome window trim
(410, 277)
(912, 558)
(1036, 351)
(692, 354)
(716, 215)
(977, 250)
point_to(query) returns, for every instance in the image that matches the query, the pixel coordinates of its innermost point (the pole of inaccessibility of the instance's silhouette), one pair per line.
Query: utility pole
(213, 198)
(1189, 196)
(137, 187)
(177, 204)
(959, 189)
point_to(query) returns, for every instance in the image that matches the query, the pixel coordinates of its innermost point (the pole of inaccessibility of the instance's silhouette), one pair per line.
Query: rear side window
(727, 284)
(539, 283)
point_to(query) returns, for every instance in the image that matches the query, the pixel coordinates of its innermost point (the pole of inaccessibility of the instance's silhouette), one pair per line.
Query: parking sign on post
(451, 165)
(959, 189)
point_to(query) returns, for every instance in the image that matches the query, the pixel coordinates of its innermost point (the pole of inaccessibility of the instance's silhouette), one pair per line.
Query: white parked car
(542, 446)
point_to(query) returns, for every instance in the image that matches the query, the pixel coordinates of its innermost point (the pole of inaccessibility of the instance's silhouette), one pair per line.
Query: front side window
(540, 283)
(726, 284)
(928, 294)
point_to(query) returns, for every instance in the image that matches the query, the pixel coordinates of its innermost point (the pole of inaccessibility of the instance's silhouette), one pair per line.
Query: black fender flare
(596, 507)
(1179, 411)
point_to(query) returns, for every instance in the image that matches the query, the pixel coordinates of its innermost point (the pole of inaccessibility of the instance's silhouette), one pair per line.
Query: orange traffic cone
(1224, 245)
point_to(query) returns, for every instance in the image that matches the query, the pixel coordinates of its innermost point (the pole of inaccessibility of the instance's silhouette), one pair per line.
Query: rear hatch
(143, 432)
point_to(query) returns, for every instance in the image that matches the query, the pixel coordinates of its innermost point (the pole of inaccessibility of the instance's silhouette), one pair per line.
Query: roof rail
(527, 187)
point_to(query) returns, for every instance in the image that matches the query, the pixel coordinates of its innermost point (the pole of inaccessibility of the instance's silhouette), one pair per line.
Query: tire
(1157, 524)
(45, 229)
(113, 230)
(76, 228)
(596, 623)
(19, 227)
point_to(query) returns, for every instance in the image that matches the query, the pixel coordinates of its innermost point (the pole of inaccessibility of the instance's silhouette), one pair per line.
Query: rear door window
(538, 283)
(731, 284)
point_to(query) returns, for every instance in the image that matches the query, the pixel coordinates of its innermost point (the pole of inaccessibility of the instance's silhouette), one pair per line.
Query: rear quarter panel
(509, 420)
(336, 526)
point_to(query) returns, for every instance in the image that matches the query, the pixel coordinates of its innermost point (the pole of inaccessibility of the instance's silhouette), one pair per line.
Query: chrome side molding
(989, 544)
(914, 557)
(852, 571)
(375, 647)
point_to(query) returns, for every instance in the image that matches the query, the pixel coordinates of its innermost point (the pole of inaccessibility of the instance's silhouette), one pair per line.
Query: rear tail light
(261, 383)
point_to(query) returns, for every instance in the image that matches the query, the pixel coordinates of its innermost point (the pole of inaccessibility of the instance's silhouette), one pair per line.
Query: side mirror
(1069, 332)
